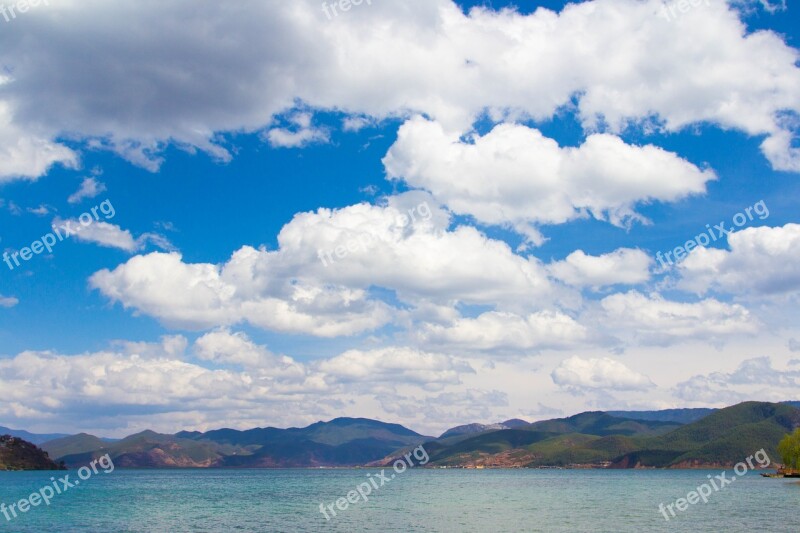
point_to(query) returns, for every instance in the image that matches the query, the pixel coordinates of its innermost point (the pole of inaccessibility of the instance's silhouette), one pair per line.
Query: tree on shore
(789, 448)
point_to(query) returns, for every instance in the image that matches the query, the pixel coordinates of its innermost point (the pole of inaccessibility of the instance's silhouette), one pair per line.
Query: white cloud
(623, 266)
(653, 319)
(760, 262)
(291, 290)
(40, 211)
(577, 374)
(24, 153)
(430, 371)
(753, 378)
(8, 301)
(446, 409)
(228, 348)
(516, 177)
(355, 123)
(201, 296)
(90, 187)
(233, 70)
(231, 382)
(169, 347)
(501, 331)
(113, 236)
(301, 133)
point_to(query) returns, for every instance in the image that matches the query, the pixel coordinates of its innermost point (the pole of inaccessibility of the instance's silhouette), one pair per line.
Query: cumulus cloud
(441, 410)
(297, 288)
(223, 379)
(24, 153)
(760, 261)
(430, 371)
(501, 331)
(223, 346)
(201, 296)
(652, 319)
(169, 347)
(234, 70)
(515, 176)
(753, 378)
(624, 266)
(579, 375)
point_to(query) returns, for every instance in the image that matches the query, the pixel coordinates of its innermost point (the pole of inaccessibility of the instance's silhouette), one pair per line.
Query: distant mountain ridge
(682, 416)
(33, 438)
(339, 442)
(640, 438)
(469, 429)
(724, 437)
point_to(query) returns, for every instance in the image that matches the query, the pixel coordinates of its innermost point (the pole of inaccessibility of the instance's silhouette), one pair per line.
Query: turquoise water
(417, 500)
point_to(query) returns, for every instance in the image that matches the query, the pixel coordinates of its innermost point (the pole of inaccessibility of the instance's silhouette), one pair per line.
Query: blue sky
(555, 167)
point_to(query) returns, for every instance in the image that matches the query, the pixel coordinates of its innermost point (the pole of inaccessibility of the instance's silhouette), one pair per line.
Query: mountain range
(619, 439)
(340, 442)
(33, 438)
(723, 437)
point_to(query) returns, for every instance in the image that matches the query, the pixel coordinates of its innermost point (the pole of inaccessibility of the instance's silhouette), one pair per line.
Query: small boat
(783, 472)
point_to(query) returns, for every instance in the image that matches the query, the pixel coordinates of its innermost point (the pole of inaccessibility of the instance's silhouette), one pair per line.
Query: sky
(422, 211)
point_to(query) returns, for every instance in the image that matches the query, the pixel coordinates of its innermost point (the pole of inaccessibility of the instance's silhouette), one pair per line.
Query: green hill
(149, 449)
(18, 454)
(340, 442)
(583, 438)
(600, 423)
(682, 416)
(73, 445)
(724, 437)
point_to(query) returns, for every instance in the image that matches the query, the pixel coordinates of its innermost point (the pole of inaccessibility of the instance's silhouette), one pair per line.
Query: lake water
(416, 500)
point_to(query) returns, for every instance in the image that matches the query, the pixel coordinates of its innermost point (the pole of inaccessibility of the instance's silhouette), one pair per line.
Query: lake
(415, 500)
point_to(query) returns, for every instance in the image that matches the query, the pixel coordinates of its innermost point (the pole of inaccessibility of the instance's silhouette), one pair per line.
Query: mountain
(541, 442)
(603, 424)
(18, 454)
(147, 449)
(471, 429)
(721, 437)
(33, 438)
(340, 442)
(682, 416)
(724, 437)
(73, 445)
